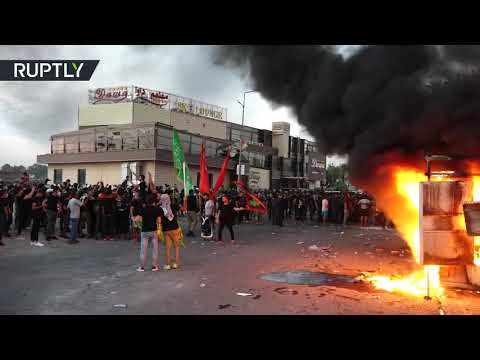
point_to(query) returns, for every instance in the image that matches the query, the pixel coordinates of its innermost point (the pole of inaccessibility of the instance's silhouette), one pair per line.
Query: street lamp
(243, 120)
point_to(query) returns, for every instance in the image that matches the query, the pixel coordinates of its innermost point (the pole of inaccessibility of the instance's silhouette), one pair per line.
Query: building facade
(128, 131)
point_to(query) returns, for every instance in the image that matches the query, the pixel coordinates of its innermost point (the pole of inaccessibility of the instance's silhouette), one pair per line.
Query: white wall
(150, 114)
(105, 114)
(199, 125)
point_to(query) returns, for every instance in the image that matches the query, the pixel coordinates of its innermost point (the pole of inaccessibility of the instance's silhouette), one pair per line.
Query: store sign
(317, 167)
(199, 109)
(110, 95)
(258, 179)
(158, 98)
(152, 97)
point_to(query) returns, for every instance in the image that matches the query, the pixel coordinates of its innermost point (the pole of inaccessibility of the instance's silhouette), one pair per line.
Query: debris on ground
(221, 307)
(122, 306)
(244, 294)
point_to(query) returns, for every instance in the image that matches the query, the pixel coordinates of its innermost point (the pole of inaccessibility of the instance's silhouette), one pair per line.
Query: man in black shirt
(143, 188)
(150, 218)
(37, 214)
(226, 216)
(3, 213)
(192, 212)
(51, 205)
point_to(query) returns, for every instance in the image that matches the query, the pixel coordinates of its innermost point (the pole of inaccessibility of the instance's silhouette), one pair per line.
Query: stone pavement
(99, 277)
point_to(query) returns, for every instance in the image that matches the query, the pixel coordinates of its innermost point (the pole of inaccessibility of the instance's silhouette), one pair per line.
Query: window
(57, 176)
(82, 176)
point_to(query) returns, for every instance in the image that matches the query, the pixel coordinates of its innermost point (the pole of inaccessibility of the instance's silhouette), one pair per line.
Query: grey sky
(32, 111)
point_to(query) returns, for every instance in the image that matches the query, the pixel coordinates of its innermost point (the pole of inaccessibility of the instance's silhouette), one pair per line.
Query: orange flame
(403, 208)
(476, 239)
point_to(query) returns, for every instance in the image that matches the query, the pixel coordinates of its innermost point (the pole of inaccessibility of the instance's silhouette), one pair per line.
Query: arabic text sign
(110, 95)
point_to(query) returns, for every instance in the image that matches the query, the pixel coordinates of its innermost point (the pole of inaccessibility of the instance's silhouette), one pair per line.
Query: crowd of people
(145, 212)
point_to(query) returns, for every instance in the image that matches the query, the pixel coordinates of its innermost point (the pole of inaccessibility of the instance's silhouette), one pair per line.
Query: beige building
(128, 130)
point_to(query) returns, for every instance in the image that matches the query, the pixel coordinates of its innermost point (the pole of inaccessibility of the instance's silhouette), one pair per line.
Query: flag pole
(184, 186)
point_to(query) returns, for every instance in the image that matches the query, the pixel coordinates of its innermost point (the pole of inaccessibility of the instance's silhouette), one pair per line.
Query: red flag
(221, 176)
(253, 202)
(204, 185)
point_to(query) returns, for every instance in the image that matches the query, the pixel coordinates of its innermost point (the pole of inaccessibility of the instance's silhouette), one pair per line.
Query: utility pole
(243, 121)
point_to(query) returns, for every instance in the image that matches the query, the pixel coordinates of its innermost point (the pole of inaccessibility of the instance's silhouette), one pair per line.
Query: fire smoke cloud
(381, 101)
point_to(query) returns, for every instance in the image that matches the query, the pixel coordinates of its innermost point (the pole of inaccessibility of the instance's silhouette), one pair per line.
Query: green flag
(178, 160)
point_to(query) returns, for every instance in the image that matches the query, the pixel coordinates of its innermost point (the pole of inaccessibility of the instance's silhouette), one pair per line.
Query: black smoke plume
(403, 100)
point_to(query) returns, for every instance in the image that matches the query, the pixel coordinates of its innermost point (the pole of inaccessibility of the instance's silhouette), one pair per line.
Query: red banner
(204, 185)
(221, 176)
(259, 206)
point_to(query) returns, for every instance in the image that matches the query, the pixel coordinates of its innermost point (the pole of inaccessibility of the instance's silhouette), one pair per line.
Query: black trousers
(229, 227)
(20, 220)
(35, 228)
(108, 225)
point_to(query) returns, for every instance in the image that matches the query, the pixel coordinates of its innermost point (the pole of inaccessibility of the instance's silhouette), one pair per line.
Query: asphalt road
(100, 277)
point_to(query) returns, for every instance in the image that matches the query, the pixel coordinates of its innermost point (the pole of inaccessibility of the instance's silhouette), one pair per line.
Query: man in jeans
(74, 206)
(51, 205)
(150, 218)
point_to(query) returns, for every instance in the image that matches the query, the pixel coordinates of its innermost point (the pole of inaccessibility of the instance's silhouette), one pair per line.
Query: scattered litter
(221, 307)
(122, 306)
(284, 290)
(202, 285)
(244, 294)
(256, 297)
(300, 242)
(96, 282)
(113, 292)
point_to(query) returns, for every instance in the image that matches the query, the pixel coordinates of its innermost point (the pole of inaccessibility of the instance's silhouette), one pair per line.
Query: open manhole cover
(308, 278)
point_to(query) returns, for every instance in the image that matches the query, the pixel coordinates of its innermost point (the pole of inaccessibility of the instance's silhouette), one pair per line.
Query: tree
(39, 171)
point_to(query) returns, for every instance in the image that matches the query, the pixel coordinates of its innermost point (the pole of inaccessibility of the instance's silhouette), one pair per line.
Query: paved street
(94, 276)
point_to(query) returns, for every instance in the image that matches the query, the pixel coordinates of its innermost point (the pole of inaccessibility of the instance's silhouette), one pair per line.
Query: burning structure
(384, 106)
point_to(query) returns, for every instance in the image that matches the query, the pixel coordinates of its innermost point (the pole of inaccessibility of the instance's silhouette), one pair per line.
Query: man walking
(74, 206)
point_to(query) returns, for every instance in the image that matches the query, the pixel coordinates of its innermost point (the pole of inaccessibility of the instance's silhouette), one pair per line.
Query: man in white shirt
(209, 213)
(74, 206)
(364, 204)
(325, 209)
